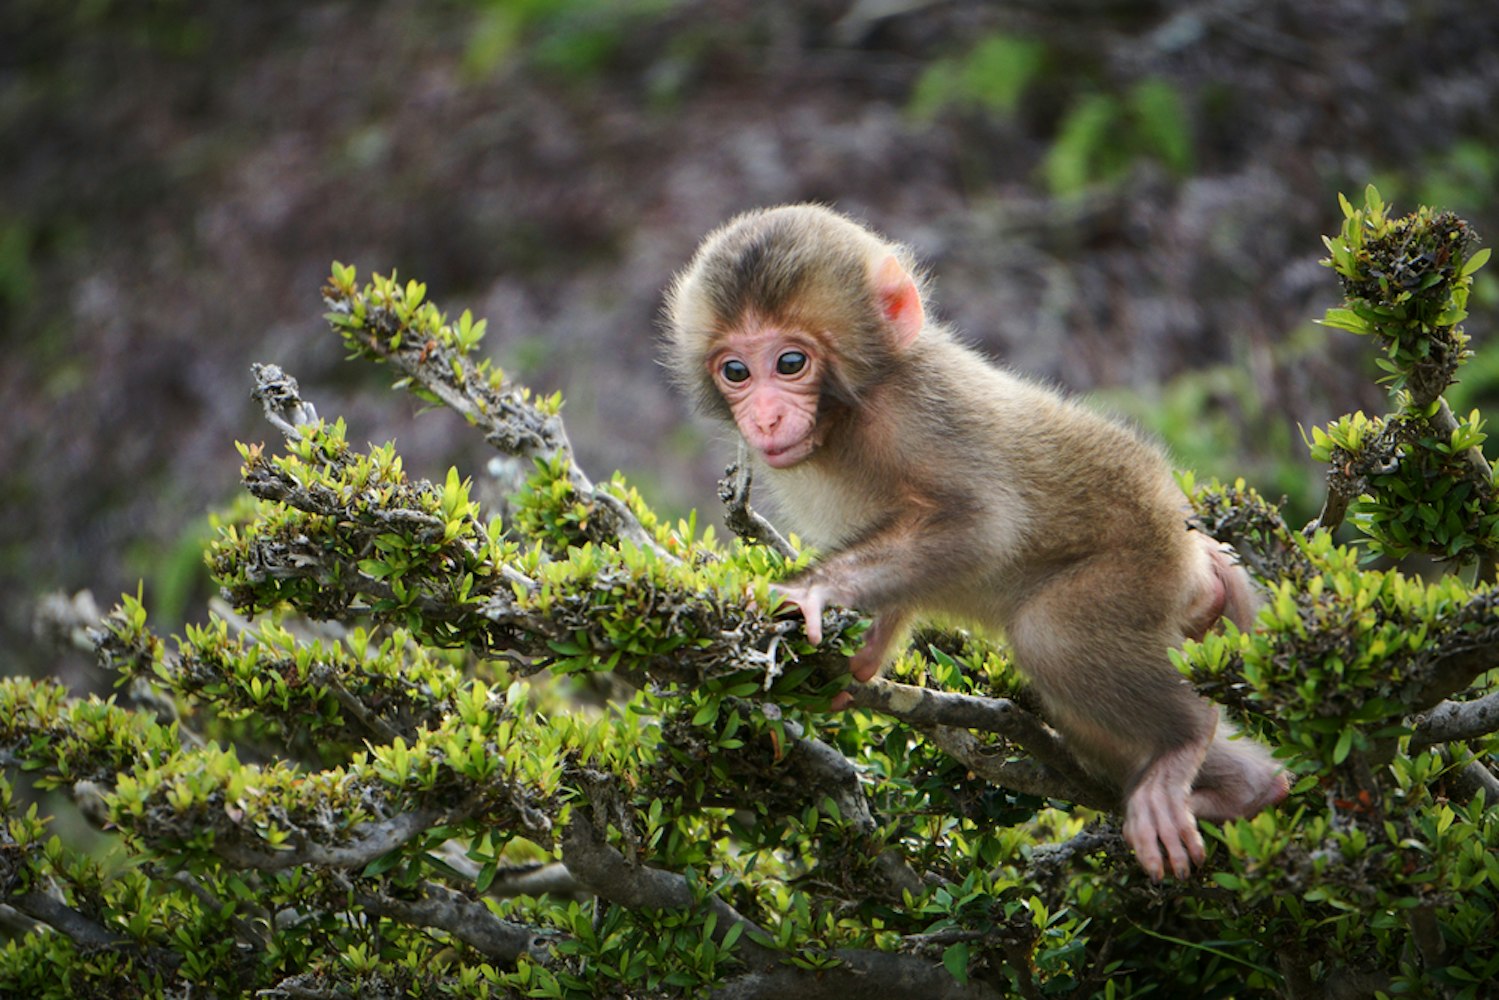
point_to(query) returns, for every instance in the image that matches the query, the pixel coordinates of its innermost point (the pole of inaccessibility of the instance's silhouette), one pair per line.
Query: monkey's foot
(1158, 820)
(1161, 829)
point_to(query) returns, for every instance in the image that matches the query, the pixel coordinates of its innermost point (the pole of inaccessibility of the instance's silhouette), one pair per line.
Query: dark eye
(791, 362)
(735, 371)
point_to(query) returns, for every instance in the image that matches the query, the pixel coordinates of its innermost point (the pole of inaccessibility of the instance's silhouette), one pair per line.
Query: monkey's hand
(810, 599)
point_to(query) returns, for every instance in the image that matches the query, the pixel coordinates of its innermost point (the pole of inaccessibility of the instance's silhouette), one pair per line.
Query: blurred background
(1122, 197)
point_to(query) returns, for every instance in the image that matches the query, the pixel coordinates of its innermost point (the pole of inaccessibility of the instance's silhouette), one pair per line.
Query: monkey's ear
(900, 301)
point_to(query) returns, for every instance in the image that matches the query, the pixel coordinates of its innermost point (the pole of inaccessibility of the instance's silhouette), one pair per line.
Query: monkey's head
(784, 317)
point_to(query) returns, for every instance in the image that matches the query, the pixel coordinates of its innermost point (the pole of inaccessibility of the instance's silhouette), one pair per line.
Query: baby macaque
(937, 482)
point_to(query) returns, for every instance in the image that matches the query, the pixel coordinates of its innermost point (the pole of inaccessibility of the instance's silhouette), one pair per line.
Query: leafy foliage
(1419, 474)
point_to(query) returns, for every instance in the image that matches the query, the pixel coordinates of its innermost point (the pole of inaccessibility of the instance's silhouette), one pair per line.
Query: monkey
(936, 482)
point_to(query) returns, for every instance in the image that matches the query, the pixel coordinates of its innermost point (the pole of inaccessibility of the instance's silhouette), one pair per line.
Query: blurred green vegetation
(991, 77)
(576, 40)
(1099, 135)
(1103, 136)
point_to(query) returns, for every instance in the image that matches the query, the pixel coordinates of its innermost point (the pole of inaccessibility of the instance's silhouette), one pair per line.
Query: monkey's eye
(791, 362)
(735, 371)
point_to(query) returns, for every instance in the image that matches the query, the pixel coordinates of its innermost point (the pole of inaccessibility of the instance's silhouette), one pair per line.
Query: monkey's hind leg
(879, 644)
(1096, 651)
(1238, 778)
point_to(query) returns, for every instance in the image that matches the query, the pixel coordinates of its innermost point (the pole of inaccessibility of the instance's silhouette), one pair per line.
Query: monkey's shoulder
(1025, 413)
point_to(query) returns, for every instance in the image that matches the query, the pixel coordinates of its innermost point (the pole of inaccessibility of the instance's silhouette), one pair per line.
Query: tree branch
(553, 879)
(370, 841)
(1029, 777)
(1456, 720)
(509, 419)
(609, 874)
(734, 492)
(1470, 647)
(824, 768)
(468, 920)
(244, 930)
(63, 918)
(1056, 773)
(863, 973)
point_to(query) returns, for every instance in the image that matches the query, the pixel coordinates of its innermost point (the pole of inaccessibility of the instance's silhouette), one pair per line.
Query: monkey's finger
(1140, 835)
(864, 664)
(1184, 843)
(1149, 856)
(1171, 834)
(814, 628)
(840, 701)
(1181, 860)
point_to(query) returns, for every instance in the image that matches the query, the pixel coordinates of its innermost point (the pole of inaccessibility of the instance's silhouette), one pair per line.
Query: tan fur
(944, 484)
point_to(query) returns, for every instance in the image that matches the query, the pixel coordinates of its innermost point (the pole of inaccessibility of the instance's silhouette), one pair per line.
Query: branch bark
(468, 920)
(372, 841)
(606, 871)
(734, 492)
(1055, 772)
(1456, 720)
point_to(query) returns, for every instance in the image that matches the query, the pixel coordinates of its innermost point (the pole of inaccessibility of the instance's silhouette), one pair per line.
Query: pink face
(771, 380)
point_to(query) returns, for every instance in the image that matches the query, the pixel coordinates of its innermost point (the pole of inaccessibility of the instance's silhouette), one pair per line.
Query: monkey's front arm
(886, 573)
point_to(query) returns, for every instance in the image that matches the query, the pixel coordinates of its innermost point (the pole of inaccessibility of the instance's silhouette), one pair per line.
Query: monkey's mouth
(786, 455)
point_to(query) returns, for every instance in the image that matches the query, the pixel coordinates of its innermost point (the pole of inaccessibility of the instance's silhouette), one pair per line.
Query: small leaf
(1345, 744)
(956, 960)
(1345, 319)
(1476, 261)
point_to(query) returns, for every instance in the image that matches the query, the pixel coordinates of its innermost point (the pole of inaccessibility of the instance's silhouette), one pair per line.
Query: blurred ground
(1113, 194)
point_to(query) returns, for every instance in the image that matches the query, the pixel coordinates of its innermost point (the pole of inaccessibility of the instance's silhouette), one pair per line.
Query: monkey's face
(771, 378)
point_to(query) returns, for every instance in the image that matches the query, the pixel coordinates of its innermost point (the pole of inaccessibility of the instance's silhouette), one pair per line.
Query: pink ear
(900, 301)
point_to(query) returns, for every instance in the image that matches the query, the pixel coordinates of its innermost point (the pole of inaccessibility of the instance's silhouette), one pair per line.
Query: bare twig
(734, 491)
(281, 398)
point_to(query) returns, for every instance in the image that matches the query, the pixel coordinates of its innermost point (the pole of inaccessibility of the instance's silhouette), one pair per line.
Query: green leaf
(956, 960)
(1345, 744)
(1345, 319)
(1476, 261)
